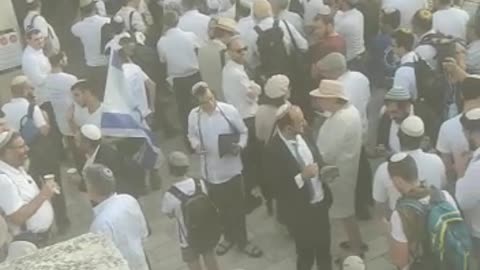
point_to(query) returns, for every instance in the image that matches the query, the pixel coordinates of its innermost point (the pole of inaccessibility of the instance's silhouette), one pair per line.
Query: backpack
(273, 53)
(443, 237)
(201, 218)
(28, 130)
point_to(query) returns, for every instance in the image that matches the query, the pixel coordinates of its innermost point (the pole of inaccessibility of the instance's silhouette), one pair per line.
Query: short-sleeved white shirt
(95, 118)
(177, 49)
(57, 90)
(89, 32)
(407, 9)
(17, 189)
(350, 25)
(405, 75)
(451, 139)
(451, 21)
(17, 108)
(136, 79)
(172, 206)
(195, 22)
(430, 169)
(398, 234)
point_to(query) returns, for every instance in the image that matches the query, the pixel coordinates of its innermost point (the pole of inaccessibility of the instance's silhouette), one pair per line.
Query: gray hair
(100, 179)
(334, 64)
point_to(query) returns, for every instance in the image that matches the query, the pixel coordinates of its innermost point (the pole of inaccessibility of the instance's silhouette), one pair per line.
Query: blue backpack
(28, 130)
(446, 243)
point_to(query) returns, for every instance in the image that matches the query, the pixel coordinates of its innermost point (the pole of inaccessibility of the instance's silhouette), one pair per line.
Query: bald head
(332, 66)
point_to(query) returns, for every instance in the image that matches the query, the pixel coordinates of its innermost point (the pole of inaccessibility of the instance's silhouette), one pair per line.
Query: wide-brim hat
(329, 89)
(226, 24)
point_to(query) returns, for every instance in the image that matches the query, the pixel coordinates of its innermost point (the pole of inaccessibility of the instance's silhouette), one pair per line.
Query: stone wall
(86, 252)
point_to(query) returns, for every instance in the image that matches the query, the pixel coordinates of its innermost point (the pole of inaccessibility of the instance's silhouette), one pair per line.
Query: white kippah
(473, 114)
(413, 126)
(91, 132)
(398, 157)
(198, 85)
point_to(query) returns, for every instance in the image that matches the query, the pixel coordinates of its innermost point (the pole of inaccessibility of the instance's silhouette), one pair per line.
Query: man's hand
(453, 71)
(49, 189)
(329, 173)
(310, 171)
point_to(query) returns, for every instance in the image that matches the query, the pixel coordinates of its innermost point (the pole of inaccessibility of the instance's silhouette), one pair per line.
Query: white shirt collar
(191, 12)
(101, 206)
(476, 153)
(414, 152)
(288, 142)
(408, 57)
(426, 34)
(7, 168)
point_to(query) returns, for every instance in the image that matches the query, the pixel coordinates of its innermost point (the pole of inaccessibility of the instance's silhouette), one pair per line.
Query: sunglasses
(244, 49)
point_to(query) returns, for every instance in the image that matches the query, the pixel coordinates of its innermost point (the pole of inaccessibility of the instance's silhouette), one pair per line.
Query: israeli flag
(120, 120)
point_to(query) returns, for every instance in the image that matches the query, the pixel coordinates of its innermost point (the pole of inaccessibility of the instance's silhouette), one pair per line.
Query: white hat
(5, 138)
(398, 157)
(324, 10)
(19, 80)
(91, 132)
(398, 93)
(277, 86)
(329, 89)
(353, 263)
(413, 126)
(178, 159)
(19, 249)
(473, 114)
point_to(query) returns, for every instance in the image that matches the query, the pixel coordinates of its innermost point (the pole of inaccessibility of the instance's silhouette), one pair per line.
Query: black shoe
(346, 245)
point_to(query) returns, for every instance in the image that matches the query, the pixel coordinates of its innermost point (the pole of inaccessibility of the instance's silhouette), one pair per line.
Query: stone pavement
(162, 246)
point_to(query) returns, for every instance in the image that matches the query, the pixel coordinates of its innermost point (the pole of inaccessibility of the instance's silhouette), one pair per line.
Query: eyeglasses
(244, 49)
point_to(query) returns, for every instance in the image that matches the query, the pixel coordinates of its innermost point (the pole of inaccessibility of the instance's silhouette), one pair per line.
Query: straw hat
(226, 24)
(329, 89)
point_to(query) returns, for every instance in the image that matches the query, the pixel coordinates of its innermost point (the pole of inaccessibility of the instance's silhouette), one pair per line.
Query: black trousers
(183, 93)
(229, 198)
(312, 241)
(251, 157)
(363, 191)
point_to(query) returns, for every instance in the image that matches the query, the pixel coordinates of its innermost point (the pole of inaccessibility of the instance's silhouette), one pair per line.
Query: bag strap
(130, 20)
(258, 30)
(198, 186)
(275, 24)
(175, 191)
(294, 42)
(232, 126)
(31, 108)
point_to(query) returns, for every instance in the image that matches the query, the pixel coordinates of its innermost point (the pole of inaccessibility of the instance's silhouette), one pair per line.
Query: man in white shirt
(472, 59)
(402, 46)
(263, 18)
(26, 206)
(467, 189)
(119, 217)
(34, 20)
(349, 23)
(451, 143)
(403, 171)
(88, 30)
(178, 50)
(35, 64)
(357, 89)
(431, 169)
(209, 127)
(340, 142)
(172, 206)
(243, 93)
(131, 16)
(17, 114)
(407, 9)
(422, 27)
(194, 21)
(450, 20)
(84, 95)
(212, 56)
(281, 12)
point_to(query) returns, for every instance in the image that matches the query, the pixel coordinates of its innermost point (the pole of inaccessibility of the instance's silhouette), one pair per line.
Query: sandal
(223, 247)
(346, 245)
(252, 251)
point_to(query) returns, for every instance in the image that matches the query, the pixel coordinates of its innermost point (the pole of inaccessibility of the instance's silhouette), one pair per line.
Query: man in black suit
(129, 174)
(293, 164)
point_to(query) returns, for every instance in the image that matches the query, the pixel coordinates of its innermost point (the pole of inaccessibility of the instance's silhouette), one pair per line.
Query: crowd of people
(272, 96)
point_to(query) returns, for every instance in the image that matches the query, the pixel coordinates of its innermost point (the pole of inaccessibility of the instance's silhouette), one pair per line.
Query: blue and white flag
(120, 120)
